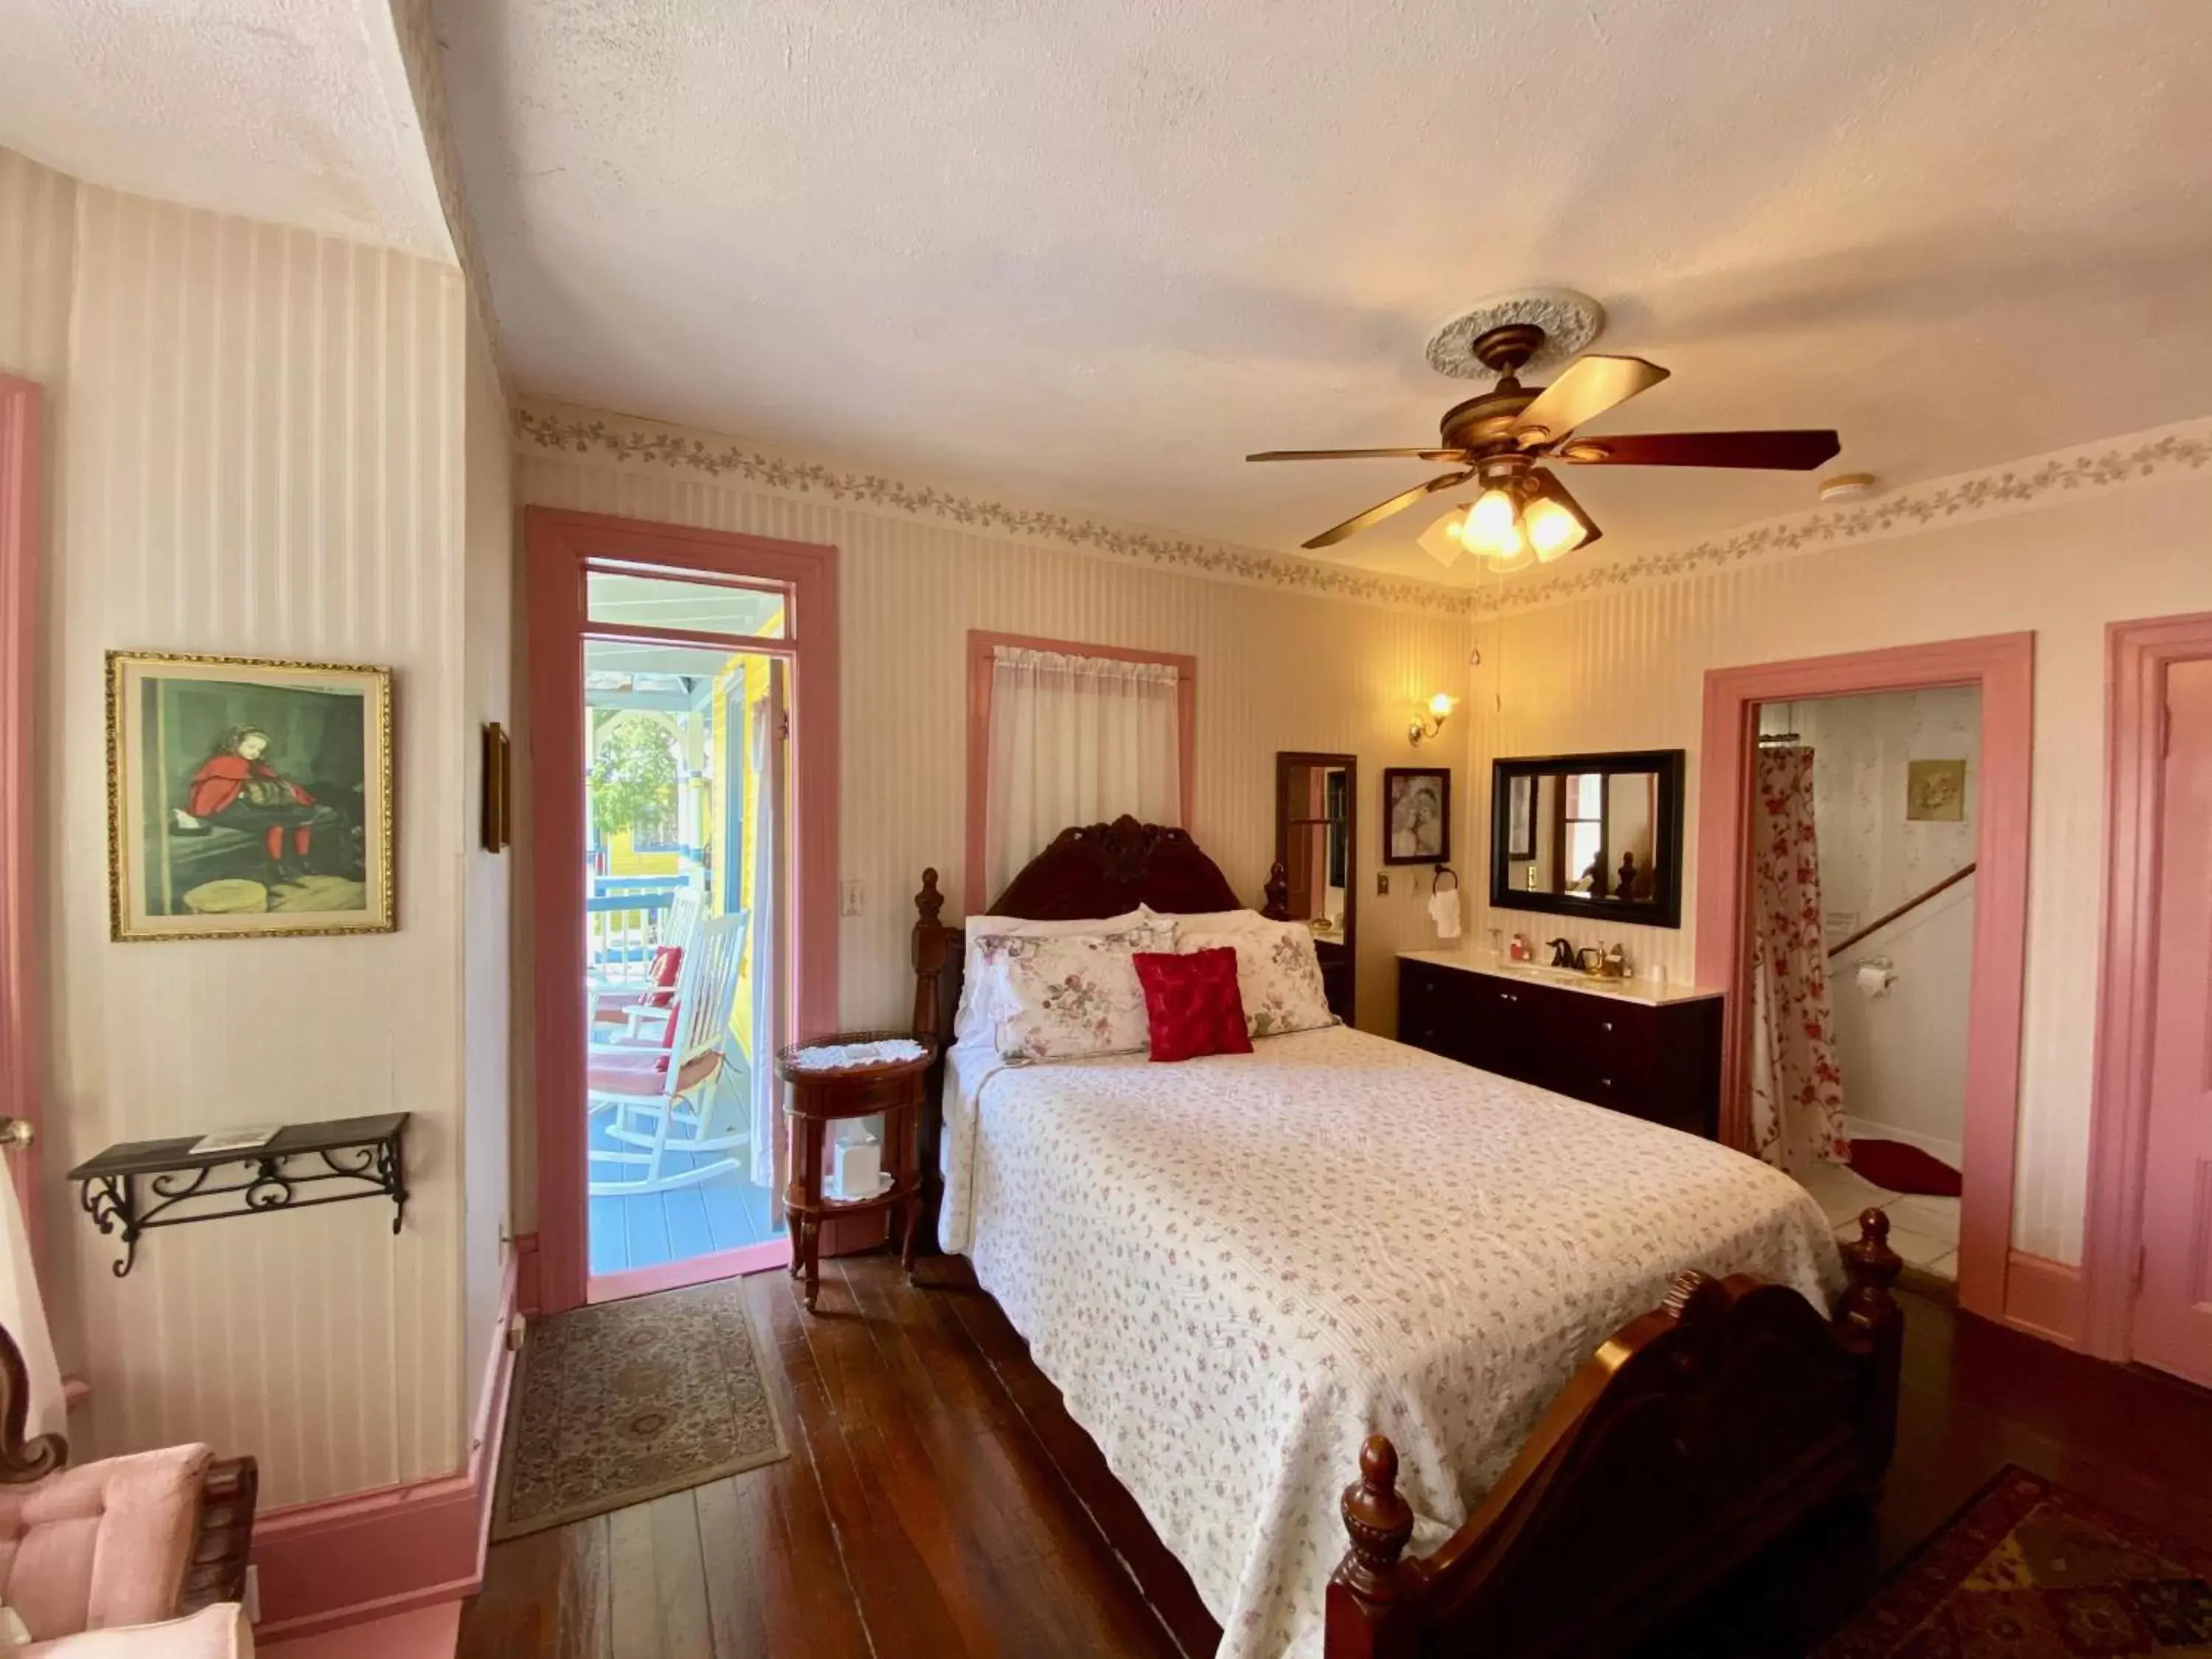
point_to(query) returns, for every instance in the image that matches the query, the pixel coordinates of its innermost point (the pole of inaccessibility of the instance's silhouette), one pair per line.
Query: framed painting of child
(247, 797)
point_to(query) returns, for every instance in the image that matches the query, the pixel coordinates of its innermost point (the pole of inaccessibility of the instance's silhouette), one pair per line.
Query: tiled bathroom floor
(1923, 1231)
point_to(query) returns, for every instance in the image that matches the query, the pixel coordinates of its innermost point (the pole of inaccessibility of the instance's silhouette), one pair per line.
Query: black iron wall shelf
(139, 1185)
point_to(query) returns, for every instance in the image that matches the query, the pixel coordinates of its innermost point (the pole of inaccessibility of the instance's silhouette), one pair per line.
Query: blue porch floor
(645, 1230)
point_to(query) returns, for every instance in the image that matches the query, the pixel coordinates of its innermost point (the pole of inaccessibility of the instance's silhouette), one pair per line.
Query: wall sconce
(1432, 720)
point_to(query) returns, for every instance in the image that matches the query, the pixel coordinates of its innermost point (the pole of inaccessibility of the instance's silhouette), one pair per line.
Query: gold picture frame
(247, 797)
(1935, 790)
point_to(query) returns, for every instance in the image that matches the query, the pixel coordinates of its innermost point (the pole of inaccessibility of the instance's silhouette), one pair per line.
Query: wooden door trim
(2138, 653)
(21, 1010)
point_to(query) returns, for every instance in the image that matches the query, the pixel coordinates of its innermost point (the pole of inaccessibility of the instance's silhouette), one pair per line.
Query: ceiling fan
(1524, 513)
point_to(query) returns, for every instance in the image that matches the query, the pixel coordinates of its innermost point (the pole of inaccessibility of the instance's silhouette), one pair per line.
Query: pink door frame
(22, 417)
(981, 647)
(2003, 666)
(2137, 656)
(558, 543)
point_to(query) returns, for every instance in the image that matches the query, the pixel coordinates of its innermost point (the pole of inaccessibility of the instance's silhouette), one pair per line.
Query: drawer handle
(1605, 1083)
(1607, 1024)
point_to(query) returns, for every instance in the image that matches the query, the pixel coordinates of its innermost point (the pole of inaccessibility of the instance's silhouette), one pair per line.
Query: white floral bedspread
(1237, 1268)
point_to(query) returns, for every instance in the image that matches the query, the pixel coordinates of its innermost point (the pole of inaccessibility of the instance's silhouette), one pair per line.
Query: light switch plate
(848, 896)
(1382, 883)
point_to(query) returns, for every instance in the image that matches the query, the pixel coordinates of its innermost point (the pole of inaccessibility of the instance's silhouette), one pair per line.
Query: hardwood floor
(938, 1502)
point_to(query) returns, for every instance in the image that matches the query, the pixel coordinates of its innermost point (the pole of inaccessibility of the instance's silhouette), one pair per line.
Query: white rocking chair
(624, 1002)
(661, 1093)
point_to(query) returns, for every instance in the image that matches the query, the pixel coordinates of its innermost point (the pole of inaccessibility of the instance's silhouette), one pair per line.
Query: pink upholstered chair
(126, 1541)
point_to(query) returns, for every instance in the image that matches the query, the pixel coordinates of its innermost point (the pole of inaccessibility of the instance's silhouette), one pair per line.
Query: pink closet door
(2174, 1313)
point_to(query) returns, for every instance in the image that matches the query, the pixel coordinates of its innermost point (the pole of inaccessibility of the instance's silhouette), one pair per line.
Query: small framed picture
(1416, 815)
(247, 797)
(1935, 790)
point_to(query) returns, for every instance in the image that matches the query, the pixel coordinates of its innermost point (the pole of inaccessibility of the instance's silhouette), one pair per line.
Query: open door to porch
(682, 810)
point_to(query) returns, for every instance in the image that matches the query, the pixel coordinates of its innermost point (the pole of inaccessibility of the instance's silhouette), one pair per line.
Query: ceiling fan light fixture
(1520, 558)
(1441, 540)
(1490, 520)
(1552, 531)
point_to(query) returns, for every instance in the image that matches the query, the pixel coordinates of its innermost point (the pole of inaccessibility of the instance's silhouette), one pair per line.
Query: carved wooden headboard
(1093, 870)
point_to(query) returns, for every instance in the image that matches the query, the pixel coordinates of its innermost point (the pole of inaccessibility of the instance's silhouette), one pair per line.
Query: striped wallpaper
(257, 440)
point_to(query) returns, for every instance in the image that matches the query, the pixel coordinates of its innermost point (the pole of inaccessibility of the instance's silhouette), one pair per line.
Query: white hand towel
(1443, 910)
(25, 1316)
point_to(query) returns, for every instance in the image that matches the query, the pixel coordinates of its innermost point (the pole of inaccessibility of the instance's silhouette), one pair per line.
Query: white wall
(1277, 670)
(256, 450)
(1624, 669)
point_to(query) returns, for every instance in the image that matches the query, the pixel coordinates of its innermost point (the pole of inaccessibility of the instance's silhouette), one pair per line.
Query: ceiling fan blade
(1377, 514)
(1586, 388)
(1787, 452)
(1354, 454)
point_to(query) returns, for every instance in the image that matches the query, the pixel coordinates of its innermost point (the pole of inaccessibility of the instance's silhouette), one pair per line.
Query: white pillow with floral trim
(973, 1021)
(1068, 996)
(1278, 973)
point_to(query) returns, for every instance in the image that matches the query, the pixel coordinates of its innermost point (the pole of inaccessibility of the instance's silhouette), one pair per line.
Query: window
(1063, 733)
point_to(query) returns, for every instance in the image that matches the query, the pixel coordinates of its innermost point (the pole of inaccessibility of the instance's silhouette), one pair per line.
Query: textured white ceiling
(296, 111)
(1095, 254)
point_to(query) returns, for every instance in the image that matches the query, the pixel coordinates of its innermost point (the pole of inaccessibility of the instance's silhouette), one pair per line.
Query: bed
(1579, 1357)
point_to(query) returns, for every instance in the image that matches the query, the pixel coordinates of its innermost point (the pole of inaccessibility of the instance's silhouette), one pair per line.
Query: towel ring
(1444, 870)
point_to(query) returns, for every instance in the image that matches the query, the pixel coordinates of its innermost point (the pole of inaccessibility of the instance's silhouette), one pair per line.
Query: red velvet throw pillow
(1192, 1004)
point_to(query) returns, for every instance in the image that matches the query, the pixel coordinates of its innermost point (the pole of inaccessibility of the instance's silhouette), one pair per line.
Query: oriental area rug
(626, 1401)
(2031, 1570)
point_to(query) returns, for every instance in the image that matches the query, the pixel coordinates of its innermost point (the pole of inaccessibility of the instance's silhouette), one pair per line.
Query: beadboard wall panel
(1626, 671)
(261, 440)
(1276, 671)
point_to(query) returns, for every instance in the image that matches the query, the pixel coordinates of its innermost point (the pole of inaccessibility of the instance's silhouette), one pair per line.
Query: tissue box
(856, 1169)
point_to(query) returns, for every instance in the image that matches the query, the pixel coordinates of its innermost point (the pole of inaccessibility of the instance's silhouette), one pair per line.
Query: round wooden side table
(825, 1081)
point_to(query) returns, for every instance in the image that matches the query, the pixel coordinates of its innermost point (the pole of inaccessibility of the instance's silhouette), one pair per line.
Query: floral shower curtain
(1796, 1084)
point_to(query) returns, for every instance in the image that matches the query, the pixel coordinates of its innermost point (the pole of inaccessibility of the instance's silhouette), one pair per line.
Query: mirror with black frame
(1316, 838)
(1588, 835)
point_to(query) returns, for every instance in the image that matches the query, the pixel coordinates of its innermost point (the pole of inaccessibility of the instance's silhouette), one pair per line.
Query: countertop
(1636, 989)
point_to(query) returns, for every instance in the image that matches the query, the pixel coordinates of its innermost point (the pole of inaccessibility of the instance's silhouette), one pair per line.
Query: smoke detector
(1847, 487)
(1571, 323)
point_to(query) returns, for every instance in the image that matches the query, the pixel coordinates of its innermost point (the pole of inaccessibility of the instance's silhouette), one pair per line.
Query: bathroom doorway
(1862, 932)
(1992, 1279)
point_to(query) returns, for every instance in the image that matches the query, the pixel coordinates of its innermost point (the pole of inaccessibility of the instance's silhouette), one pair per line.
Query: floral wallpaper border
(2021, 485)
(2017, 487)
(622, 440)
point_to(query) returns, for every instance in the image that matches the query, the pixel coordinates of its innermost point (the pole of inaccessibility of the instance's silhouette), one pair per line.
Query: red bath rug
(1897, 1168)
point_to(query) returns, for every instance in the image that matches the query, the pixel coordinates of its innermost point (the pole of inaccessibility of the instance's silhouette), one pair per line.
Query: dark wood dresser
(1658, 1059)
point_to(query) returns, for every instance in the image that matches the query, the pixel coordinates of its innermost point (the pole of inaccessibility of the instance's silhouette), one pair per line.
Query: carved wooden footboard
(1698, 1434)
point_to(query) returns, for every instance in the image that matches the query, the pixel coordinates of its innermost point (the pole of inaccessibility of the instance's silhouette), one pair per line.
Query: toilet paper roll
(1874, 979)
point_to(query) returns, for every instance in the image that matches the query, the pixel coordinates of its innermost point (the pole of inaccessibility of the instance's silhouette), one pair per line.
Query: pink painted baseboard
(526, 1301)
(2043, 1298)
(373, 1555)
(431, 1632)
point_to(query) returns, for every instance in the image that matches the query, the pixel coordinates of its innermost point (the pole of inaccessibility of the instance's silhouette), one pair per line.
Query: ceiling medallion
(1571, 323)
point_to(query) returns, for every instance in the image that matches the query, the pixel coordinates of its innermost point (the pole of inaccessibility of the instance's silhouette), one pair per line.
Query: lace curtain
(1075, 740)
(1797, 1084)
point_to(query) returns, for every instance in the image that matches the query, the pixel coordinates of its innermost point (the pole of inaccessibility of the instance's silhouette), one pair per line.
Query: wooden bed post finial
(1869, 1313)
(1870, 1267)
(1277, 893)
(1374, 1596)
(928, 955)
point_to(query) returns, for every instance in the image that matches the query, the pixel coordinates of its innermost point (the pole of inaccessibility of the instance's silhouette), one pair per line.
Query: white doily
(850, 1057)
